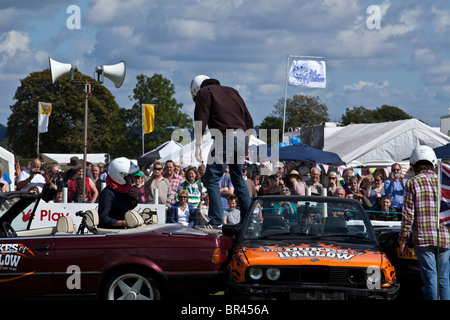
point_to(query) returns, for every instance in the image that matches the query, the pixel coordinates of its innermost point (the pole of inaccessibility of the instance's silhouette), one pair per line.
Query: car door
(26, 261)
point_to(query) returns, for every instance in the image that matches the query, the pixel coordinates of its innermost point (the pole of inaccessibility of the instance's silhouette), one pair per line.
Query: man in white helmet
(223, 109)
(420, 215)
(118, 196)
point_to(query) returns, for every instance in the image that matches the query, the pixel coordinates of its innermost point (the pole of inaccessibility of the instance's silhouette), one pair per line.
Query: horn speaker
(59, 69)
(115, 73)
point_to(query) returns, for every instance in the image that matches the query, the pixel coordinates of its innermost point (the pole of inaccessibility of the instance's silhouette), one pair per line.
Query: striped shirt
(420, 212)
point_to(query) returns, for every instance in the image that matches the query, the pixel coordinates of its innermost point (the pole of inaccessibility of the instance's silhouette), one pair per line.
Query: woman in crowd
(182, 211)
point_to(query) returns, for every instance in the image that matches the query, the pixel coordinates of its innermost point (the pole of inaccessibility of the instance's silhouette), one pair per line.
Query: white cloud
(360, 85)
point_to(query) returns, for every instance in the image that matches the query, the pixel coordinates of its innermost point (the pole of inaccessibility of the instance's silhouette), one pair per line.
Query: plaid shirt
(420, 212)
(174, 184)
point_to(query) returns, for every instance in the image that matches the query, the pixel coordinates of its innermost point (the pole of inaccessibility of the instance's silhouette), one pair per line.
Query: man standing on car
(421, 216)
(222, 108)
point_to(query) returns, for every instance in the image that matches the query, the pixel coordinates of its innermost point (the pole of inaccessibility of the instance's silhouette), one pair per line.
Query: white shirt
(37, 181)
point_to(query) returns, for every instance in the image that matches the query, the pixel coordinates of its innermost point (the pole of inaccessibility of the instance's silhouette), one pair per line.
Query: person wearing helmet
(223, 110)
(420, 216)
(118, 196)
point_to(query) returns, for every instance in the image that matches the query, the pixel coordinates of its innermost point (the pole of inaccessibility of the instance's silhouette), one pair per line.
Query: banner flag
(45, 109)
(149, 117)
(444, 187)
(308, 73)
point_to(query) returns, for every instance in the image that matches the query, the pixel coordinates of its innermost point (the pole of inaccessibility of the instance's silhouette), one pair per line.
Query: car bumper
(308, 292)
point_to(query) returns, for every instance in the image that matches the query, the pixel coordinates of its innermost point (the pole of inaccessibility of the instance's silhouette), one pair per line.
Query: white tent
(7, 162)
(167, 149)
(382, 144)
(186, 156)
(64, 158)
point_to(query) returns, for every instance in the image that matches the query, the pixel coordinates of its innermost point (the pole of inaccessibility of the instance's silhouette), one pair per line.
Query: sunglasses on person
(182, 197)
(160, 168)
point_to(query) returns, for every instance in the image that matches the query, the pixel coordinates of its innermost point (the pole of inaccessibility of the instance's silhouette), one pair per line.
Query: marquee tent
(166, 149)
(64, 158)
(7, 162)
(382, 144)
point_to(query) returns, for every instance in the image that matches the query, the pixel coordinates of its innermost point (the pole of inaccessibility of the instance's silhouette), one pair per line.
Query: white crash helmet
(119, 168)
(423, 153)
(196, 84)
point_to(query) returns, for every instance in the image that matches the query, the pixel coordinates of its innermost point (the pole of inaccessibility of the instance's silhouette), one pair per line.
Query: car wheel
(131, 285)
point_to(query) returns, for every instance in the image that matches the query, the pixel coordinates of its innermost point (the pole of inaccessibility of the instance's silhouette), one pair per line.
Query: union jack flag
(444, 215)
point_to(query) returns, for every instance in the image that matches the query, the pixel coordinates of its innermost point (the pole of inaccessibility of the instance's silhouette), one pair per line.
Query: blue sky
(243, 43)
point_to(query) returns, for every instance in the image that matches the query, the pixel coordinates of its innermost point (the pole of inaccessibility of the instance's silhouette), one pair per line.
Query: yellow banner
(149, 117)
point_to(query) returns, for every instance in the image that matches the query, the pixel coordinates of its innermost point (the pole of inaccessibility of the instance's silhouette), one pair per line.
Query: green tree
(66, 123)
(301, 110)
(159, 91)
(383, 114)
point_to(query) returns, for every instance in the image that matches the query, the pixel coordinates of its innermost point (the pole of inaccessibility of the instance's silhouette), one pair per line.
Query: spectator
(4, 186)
(353, 188)
(201, 171)
(232, 215)
(256, 178)
(226, 187)
(333, 182)
(158, 182)
(91, 193)
(53, 182)
(182, 211)
(383, 211)
(202, 210)
(31, 177)
(394, 186)
(193, 185)
(274, 183)
(285, 208)
(250, 184)
(95, 172)
(314, 181)
(74, 165)
(339, 192)
(174, 179)
(295, 183)
(139, 185)
(420, 217)
(347, 174)
(375, 190)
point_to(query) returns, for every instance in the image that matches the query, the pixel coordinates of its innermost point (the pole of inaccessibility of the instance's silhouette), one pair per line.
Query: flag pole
(142, 116)
(39, 114)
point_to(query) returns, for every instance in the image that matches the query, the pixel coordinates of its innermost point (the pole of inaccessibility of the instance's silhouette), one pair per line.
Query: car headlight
(273, 274)
(255, 273)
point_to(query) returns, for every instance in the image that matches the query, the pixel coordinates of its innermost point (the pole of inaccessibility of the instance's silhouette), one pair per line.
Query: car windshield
(312, 217)
(7, 203)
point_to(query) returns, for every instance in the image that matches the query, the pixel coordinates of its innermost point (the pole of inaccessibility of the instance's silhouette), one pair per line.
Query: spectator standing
(232, 215)
(31, 177)
(91, 190)
(295, 183)
(182, 211)
(226, 188)
(53, 183)
(250, 184)
(193, 185)
(384, 211)
(158, 182)
(314, 181)
(394, 186)
(420, 217)
(95, 172)
(256, 178)
(274, 183)
(139, 185)
(375, 190)
(174, 179)
(4, 186)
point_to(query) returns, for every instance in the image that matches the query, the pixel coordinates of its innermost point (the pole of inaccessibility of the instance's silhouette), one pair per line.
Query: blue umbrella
(304, 152)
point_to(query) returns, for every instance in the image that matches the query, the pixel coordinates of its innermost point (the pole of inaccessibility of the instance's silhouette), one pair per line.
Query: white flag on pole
(308, 73)
(45, 109)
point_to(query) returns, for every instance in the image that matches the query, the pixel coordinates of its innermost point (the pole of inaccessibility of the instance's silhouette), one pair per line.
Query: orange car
(297, 247)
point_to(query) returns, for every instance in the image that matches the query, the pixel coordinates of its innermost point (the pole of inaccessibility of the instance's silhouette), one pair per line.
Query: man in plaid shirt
(420, 215)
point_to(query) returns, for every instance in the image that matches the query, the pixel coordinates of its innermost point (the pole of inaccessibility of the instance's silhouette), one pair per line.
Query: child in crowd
(232, 215)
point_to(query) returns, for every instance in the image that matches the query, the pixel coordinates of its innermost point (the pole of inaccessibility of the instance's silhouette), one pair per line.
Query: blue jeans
(234, 148)
(427, 257)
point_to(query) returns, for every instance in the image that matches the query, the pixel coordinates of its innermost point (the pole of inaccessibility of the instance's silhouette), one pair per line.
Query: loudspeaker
(115, 73)
(59, 69)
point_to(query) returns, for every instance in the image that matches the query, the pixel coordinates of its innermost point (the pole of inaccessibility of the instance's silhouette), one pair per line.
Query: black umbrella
(304, 152)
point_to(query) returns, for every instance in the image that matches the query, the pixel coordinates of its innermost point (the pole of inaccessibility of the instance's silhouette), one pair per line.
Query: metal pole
(87, 91)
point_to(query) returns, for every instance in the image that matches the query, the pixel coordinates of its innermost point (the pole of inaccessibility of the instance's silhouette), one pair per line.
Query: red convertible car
(141, 262)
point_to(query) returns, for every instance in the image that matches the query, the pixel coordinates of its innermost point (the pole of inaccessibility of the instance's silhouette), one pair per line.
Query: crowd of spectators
(380, 192)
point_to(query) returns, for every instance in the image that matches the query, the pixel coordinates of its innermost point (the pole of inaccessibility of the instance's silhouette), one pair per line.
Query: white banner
(45, 109)
(308, 73)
